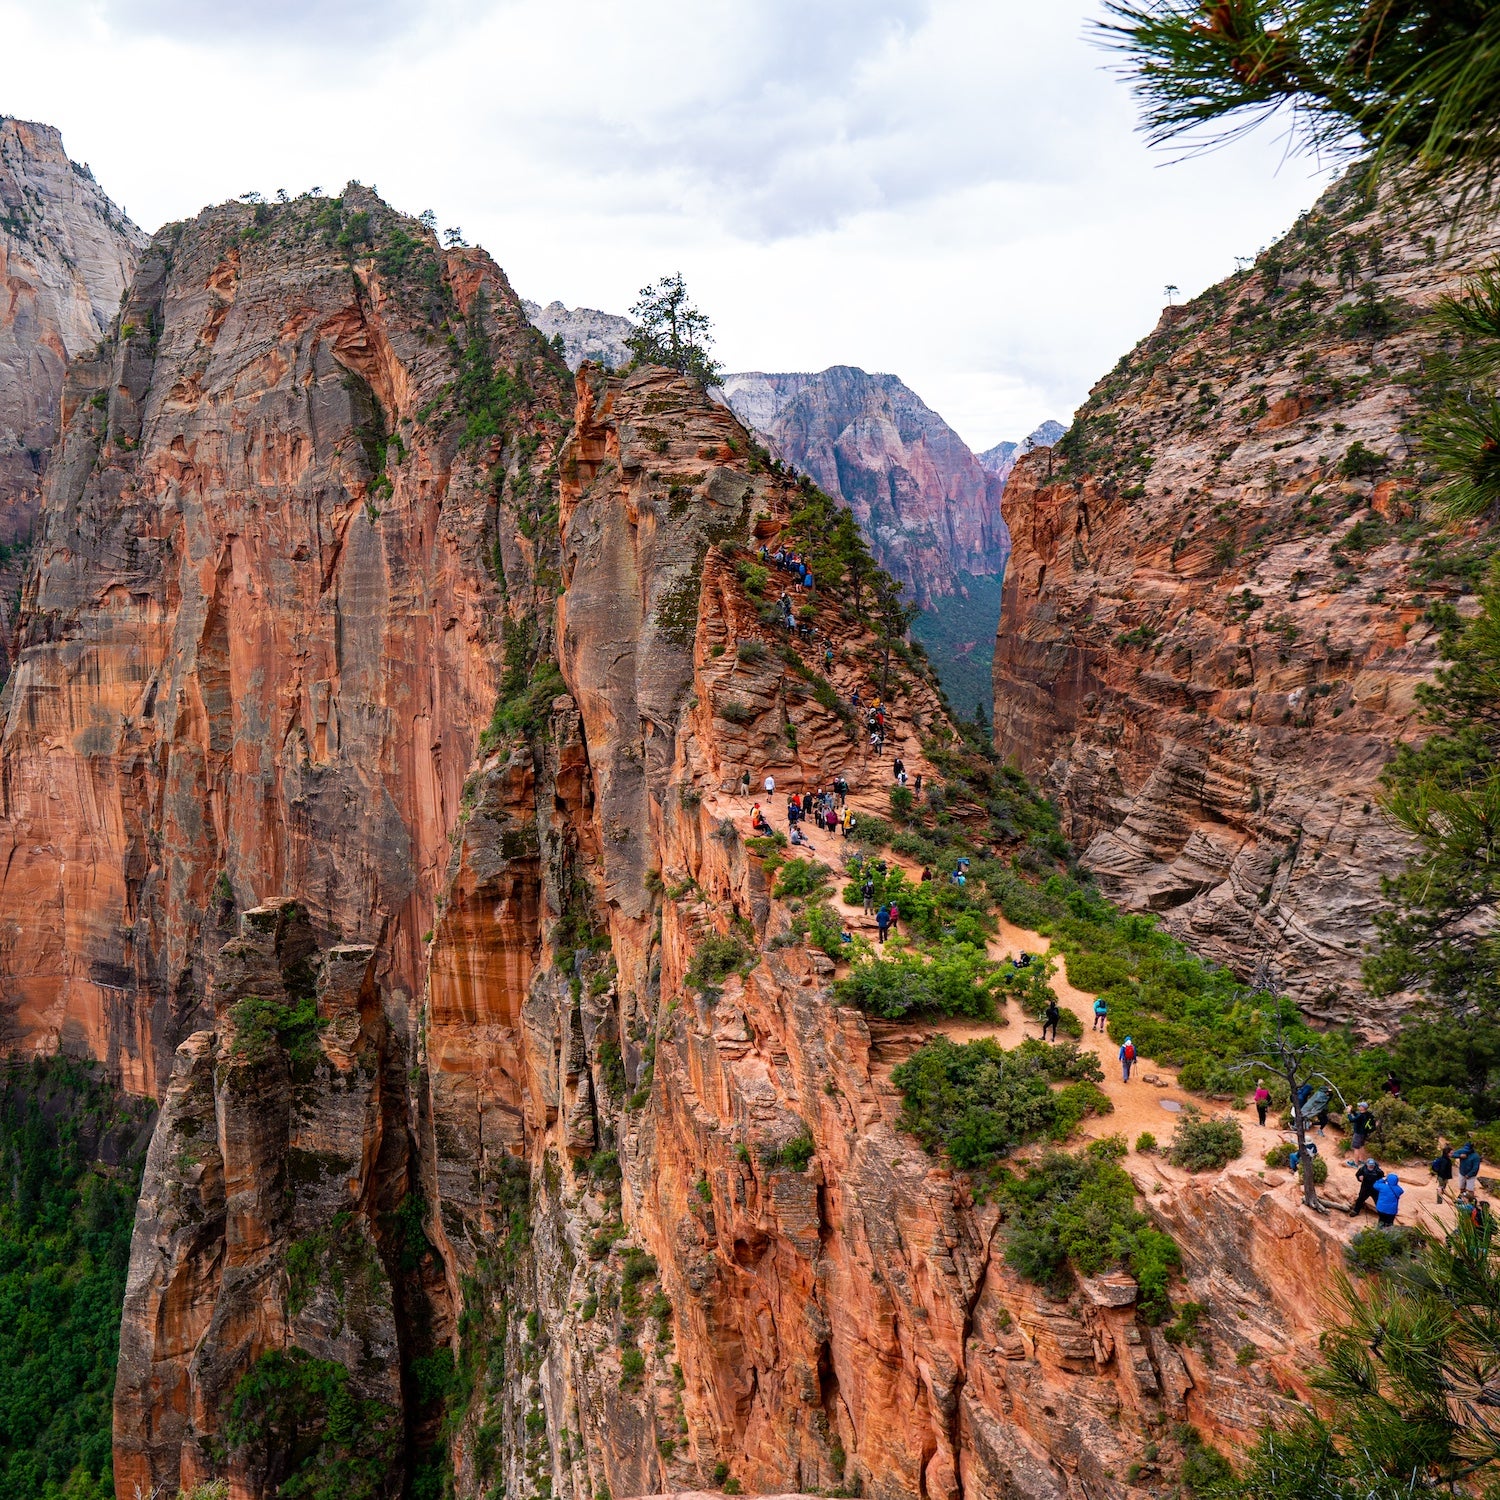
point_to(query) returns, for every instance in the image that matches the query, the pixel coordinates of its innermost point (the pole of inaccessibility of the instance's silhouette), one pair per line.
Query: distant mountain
(928, 504)
(1001, 459)
(586, 332)
(930, 509)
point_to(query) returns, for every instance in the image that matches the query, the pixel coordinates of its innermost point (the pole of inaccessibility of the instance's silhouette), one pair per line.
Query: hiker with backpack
(1442, 1170)
(1262, 1099)
(1101, 1013)
(1050, 1018)
(867, 890)
(1368, 1176)
(1361, 1125)
(1127, 1059)
(883, 921)
(1468, 1168)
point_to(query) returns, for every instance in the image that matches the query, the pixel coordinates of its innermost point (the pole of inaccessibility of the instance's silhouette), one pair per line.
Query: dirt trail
(1138, 1106)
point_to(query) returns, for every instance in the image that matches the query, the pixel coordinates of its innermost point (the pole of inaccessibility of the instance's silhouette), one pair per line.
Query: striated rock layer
(1215, 614)
(66, 254)
(370, 779)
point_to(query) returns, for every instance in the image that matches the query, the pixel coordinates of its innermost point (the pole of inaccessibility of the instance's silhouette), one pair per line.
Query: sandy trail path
(1138, 1106)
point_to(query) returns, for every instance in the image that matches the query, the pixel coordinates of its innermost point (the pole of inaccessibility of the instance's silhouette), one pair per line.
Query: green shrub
(1377, 1251)
(801, 878)
(632, 1365)
(297, 1416)
(718, 955)
(1145, 1143)
(977, 1101)
(1078, 1211)
(736, 711)
(1201, 1144)
(825, 930)
(1409, 1132)
(901, 803)
(261, 1026)
(958, 980)
(751, 651)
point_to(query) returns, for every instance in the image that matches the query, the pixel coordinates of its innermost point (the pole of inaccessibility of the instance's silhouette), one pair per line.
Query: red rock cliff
(1213, 618)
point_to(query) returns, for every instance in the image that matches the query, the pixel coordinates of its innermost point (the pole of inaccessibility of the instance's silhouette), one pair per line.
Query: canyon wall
(369, 780)
(1216, 610)
(66, 255)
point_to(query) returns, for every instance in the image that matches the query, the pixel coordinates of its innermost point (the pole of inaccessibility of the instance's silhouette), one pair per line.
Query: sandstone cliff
(586, 333)
(1214, 616)
(66, 254)
(369, 773)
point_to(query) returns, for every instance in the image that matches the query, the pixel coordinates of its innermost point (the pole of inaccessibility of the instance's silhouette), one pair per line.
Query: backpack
(1100, 1008)
(1129, 1052)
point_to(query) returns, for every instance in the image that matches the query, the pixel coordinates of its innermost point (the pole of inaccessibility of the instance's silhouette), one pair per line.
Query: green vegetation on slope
(65, 1224)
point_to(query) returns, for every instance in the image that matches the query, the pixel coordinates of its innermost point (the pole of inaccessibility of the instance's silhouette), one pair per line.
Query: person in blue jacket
(1388, 1199)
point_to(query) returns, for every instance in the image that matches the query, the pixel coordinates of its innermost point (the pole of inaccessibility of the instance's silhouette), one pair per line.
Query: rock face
(586, 333)
(258, 643)
(66, 254)
(931, 511)
(1214, 617)
(370, 774)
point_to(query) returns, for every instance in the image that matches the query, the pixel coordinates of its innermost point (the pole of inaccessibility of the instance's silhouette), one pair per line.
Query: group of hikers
(826, 808)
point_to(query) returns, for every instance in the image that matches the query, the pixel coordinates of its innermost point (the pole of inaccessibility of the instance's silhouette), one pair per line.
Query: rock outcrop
(1216, 610)
(1002, 458)
(66, 254)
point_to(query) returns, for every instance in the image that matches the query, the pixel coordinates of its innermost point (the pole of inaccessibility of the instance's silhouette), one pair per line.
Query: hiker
(848, 822)
(1101, 1013)
(883, 921)
(1262, 1099)
(895, 916)
(1390, 1086)
(758, 822)
(926, 875)
(1442, 1169)
(1316, 1110)
(916, 787)
(1049, 1018)
(1388, 1199)
(867, 890)
(1468, 1168)
(898, 771)
(800, 839)
(846, 936)
(1023, 960)
(1368, 1174)
(770, 787)
(842, 788)
(1361, 1123)
(745, 784)
(1296, 1156)
(1127, 1059)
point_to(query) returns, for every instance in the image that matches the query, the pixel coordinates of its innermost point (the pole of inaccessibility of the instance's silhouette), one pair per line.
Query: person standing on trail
(1361, 1123)
(1127, 1059)
(745, 784)
(1388, 1199)
(1368, 1176)
(770, 787)
(1442, 1170)
(1262, 1099)
(916, 787)
(1101, 1013)
(1468, 1168)
(883, 921)
(895, 916)
(1049, 1018)
(867, 890)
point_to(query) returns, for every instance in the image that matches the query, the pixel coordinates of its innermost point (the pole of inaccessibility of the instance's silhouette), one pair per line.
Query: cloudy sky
(948, 189)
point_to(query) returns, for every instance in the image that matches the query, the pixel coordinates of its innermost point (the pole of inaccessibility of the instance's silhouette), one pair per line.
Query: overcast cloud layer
(948, 189)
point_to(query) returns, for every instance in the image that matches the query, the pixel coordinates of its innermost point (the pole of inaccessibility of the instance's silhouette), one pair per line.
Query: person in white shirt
(770, 785)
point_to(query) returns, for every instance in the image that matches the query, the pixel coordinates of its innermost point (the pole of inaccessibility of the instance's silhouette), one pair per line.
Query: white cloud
(948, 189)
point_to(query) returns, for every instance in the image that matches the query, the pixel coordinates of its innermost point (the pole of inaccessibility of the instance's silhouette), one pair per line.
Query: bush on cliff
(1077, 1212)
(957, 980)
(977, 1101)
(1204, 1145)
